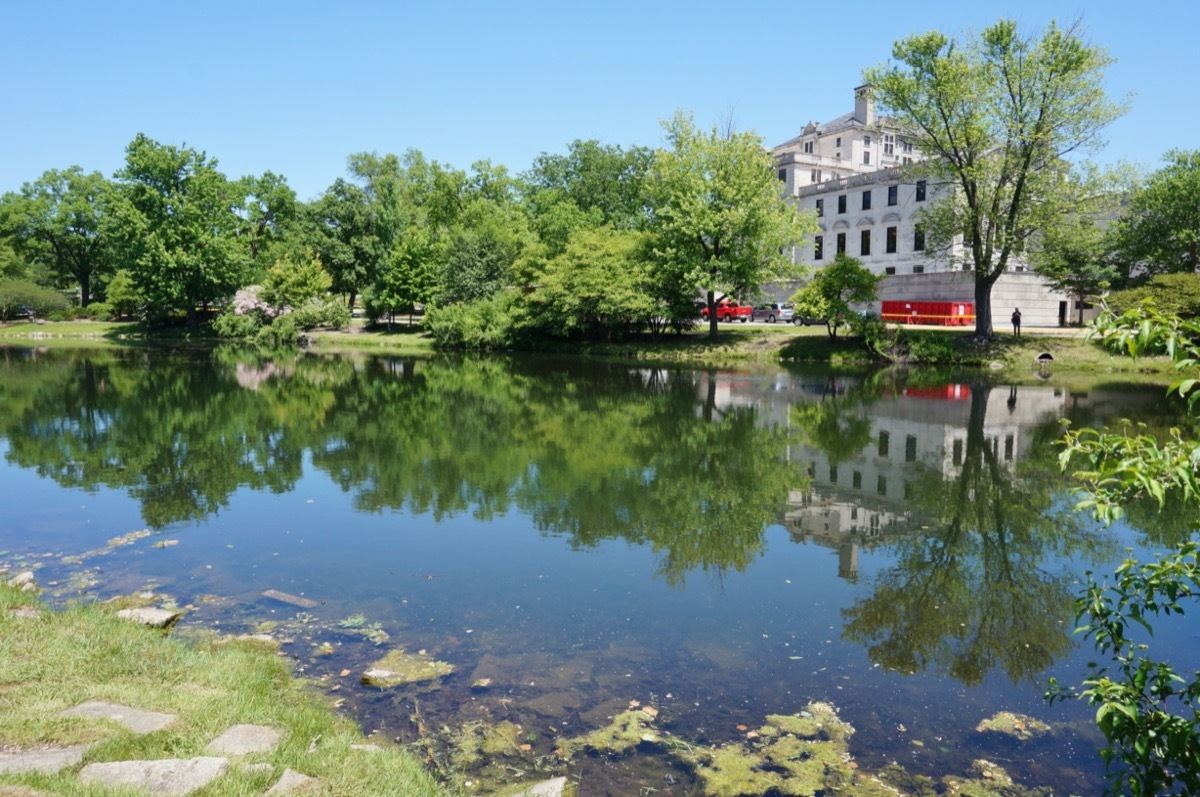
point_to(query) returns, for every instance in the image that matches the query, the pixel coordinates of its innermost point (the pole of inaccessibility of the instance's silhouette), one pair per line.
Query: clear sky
(295, 87)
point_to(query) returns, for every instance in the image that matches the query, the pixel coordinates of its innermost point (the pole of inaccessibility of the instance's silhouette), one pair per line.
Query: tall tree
(270, 212)
(1071, 258)
(58, 222)
(341, 230)
(595, 176)
(720, 224)
(178, 227)
(996, 116)
(1159, 232)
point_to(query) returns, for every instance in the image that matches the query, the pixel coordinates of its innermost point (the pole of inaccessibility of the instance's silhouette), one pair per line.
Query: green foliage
(995, 116)
(12, 265)
(177, 228)
(494, 323)
(237, 326)
(1159, 232)
(597, 288)
(293, 283)
(1071, 258)
(121, 295)
(720, 225)
(320, 311)
(17, 296)
(604, 184)
(61, 223)
(1147, 710)
(1172, 294)
(406, 277)
(834, 290)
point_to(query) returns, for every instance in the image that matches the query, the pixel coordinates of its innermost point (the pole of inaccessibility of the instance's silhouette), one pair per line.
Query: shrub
(21, 296)
(121, 296)
(231, 324)
(488, 324)
(322, 311)
(1173, 294)
(280, 333)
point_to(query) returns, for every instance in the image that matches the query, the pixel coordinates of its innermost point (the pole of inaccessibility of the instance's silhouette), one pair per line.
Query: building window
(816, 175)
(908, 147)
(920, 190)
(918, 269)
(890, 245)
(889, 270)
(856, 480)
(893, 194)
(841, 243)
(808, 147)
(818, 247)
(889, 144)
(919, 239)
(820, 208)
(833, 474)
(885, 439)
(867, 157)
(956, 452)
(839, 141)
(910, 448)
(881, 485)
(783, 175)
(1009, 445)
(906, 161)
(842, 204)
(866, 141)
(865, 243)
(866, 200)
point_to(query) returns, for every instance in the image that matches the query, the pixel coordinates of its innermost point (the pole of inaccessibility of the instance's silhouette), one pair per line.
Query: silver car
(774, 312)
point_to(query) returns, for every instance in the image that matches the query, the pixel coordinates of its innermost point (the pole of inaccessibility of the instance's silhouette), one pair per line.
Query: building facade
(850, 174)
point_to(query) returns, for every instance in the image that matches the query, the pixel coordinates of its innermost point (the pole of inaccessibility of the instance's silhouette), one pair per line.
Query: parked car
(772, 312)
(730, 310)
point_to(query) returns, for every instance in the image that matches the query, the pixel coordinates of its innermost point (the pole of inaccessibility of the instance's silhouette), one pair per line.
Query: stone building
(850, 173)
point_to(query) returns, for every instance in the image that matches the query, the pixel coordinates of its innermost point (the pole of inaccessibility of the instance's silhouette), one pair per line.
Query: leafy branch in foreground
(1145, 708)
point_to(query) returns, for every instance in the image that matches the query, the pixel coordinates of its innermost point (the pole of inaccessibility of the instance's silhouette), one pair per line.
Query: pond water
(717, 545)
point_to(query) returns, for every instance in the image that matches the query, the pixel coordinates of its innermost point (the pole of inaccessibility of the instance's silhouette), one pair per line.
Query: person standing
(1016, 322)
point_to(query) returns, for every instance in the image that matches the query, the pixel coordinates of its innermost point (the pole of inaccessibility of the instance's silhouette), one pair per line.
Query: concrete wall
(1039, 304)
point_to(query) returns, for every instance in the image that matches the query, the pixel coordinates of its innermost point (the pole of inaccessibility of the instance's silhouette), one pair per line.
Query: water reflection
(956, 549)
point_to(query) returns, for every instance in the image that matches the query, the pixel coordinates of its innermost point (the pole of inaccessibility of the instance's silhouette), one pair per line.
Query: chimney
(864, 107)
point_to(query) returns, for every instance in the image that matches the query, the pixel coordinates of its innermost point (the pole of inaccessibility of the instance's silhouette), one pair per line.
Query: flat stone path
(49, 760)
(169, 776)
(134, 719)
(244, 739)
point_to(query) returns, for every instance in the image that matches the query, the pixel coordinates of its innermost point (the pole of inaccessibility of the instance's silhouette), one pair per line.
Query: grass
(737, 344)
(59, 659)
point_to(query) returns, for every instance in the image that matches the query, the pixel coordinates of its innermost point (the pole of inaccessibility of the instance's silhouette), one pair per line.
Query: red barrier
(949, 314)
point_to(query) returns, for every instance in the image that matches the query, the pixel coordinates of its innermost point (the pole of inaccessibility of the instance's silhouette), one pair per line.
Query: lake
(573, 537)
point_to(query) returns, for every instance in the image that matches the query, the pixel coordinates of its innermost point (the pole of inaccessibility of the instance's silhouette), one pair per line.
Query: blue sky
(295, 87)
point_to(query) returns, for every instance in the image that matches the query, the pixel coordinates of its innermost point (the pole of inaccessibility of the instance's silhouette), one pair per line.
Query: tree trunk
(85, 289)
(983, 306)
(712, 315)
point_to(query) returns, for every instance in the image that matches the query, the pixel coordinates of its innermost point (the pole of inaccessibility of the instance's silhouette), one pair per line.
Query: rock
(134, 719)
(290, 782)
(24, 581)
(398, 668)
(555, 787)
(295, 600)
(169, 776)
(244, 739)
(48, 761)
(155, 618)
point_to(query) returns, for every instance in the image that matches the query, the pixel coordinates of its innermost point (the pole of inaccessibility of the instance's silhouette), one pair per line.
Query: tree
(341, 230)
(835, 289)
(594, 177)
(58, 222)
(996, 117)
(720, 224)
(178, 227)
(1071, 258)
(268, 215)
(1148, 710)
(1159, 232)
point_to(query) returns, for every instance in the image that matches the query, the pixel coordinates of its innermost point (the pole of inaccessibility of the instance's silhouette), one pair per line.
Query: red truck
(730, 310)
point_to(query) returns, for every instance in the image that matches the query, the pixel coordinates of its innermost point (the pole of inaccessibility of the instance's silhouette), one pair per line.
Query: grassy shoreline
(1006, 357)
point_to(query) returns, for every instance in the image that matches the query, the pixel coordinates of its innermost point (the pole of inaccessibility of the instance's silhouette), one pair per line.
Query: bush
(280, 333)
(121, 296)
(322, 311)
(18, 297)
(231, 324)
(1173, 294)
(488, 324)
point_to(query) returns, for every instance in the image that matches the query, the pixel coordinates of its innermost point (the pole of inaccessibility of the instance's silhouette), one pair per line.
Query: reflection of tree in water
(982, 589)
(590, 453)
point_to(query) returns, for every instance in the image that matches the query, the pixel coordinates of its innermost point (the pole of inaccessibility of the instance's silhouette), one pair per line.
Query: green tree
(595, 177)
(1147, 707)
(406, 277)
(122, 296)
(1071, 258)
(597, 288)
(835, 289)
(292, 283)
(996, 116)
(269, 214)
(1159, 232)
(59, 223)
(720, 224)
(177, 225)
(341, 228)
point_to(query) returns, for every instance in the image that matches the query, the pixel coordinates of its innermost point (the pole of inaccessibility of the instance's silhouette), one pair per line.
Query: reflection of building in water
(842, 523)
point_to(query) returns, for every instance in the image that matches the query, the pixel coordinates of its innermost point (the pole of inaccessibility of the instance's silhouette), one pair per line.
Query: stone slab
(134, 719)
(22, 579)
(555, 787)
(155, 618)
(48, 761)
(295, 600)
(244, 739)
(168, 776)
(290, 782)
